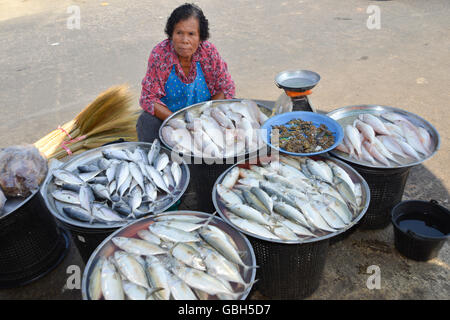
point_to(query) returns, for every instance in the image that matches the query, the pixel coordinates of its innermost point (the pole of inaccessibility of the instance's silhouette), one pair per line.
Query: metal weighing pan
(92, 156)
(346, 116)
(107, 247)
(180, 114)
(297, 80)
(355, 176)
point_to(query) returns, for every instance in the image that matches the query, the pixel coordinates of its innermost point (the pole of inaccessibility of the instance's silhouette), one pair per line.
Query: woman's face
(186, 37)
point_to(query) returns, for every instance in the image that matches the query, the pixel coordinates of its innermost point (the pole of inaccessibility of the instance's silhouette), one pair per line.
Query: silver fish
(149, 237)
(86, 196)
(104, 213)
(137, 246)
(68, 177)
(179, 289)
(413, 138)
(66, 196)
(407, 149)
(313, 216)
(354, 137)
(231, 178)
(158, 276)
(161, 161)
(88, 168)
(131, 268)
(254, 202)
(136, 199)
(188, 255)
(168, 178)
(227, 195)
(125, 185)
(111, 172)
(150, 191)
(115, 154)
(136, 292)
(291, 213)
(247, 212)
(95, 281)
(137, 174)
(328, 214)
(78, 213)
(157, 178)
(122, 174)
(295, 227)
(111, 282)
(175, 169)
(179, 217)
(172, 234)
(153, 152)
(374, 122)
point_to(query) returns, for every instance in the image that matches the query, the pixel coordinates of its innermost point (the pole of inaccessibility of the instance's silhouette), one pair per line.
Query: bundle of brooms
(108, 118)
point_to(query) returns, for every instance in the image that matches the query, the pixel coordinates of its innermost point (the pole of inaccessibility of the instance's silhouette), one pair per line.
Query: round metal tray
(180, 115)
(355, 176)
(347, 115)
(297, 80)
(92, 156)
(107, 247)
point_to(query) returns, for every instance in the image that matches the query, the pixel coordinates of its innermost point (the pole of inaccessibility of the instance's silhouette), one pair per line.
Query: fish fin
(208, 220)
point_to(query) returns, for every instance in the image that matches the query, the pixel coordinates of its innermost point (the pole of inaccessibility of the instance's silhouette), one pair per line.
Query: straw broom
(108, 118)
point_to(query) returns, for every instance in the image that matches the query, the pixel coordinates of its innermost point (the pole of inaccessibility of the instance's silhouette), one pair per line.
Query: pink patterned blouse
(160, 64)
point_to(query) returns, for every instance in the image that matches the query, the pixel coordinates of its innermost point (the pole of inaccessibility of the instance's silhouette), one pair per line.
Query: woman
(182, 70)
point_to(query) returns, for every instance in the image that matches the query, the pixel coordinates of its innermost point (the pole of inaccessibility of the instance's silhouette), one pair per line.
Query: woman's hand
(161, 112)
(218, 96)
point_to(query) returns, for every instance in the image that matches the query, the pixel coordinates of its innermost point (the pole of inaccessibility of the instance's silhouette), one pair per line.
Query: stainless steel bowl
(347, 115)
(355, 176)
(107, 247)
(92, 156)
(297, 80)
(180, 114)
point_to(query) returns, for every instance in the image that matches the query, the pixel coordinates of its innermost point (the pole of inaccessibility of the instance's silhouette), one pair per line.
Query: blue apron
(180, 95)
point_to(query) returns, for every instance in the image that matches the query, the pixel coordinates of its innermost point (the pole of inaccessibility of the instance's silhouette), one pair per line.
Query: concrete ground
(49, 73)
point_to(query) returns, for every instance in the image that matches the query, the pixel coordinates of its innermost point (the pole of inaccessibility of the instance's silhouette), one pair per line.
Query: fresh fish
(332, 218)
(247, 212)
(66, 196)
(289, 171)
(326, 170)
(295, 227)
(339, 207)
(365, 129)
(176, 123)
(168, 178)
(111, 172)
(150, 191)
(149, 237)
(246, 183)
(318, 171)
(231, 178)
(222, 243)
(122, 174)
(175, 169)
(172, 234)
(413, 138)
(313, 216)
(142, 155)
(68, 177)
(394, 129)
(154, 151)
(290, 213)
(78, 213)
(161, 161)
(385, 152)
(95, 281)
(87, 168)
(157, 178)
(189, 116)
(243, 110)
(374, 122)
(341, 173)
(99, 180)
(273, 191)
(115, 154)
(137, 246)
(101, 191)
(158, 276)
(345, 190)
(136, 174)
(122, 208)
(168, 136)
(188, 255)
(104, 163)
(111, 282)
(104, 213)
(86, 196)
(253, 201)
(131, 268)
(203, 281)
(183, 225)
(407, 149)
(283, 232)
(112, 187)
(366, 156)
(136, 199)
(213, 130)
(246, 173)
(425, 139)
(391, 145)
(353, 136)
(373, 151)
(290, 162)
(265, 199)
(136, 292)
(180, 218)
(124, 187)
(179, 289)
(343, 148)
(221, 118)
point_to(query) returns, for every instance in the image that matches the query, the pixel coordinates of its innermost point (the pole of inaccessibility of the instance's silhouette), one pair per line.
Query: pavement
(50, 72)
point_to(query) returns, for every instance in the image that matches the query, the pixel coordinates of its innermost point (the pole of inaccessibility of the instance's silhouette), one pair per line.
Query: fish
(179, 217)
(176, 123)
(111, 282)
(136, 199)
(247, 212)
(131, 268)
(366, 156)
(172, 234)
(366, 130)
(68, 177)
(179, 289)
(122, 174)
(221, 118)
(157, 179)
(313, 217)
(87, 168)
(78, 213)
(138, 246)
(394, 129)
(175, 169)
(167, 134)
(66, 196)
(213, 130)
(111, 172)
(104, 213)
(353, 137)
(295, 227)
(135, 292)
(392, 145)
(373, 151)
(153, 152)
(95, 281)
(86, 197)
(264, 198)
(230, 179)
(413, 138)
(125, 186)
(150, 191)
(188, 255)
(328, 214)
(374, 122)
(253, 201)
(158, 276)
(407, 149)
(101, 191)
(291, 212)
(149, 237)
(183, 225)
(161, 161)
(385, 152)
(115, 154)
(252, 227)
(283, 232)
(425, 139)
(136, 173)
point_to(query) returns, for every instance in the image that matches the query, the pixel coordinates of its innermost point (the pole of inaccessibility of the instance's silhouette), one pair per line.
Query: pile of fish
(221, 131)
(120, 186)
(396, 140)
(181, 257)
(289, 198)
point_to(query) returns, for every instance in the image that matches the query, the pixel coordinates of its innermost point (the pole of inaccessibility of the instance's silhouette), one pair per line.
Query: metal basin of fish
(179, 117)
(92, 288)
(162, 203)
(283, 203)
(347, 115)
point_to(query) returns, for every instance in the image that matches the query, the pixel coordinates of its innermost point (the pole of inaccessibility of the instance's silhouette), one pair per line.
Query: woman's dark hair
(185, 12)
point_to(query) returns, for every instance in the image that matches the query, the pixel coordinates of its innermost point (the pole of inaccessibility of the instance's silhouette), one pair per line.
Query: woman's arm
(161, 112)
(218, 96)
